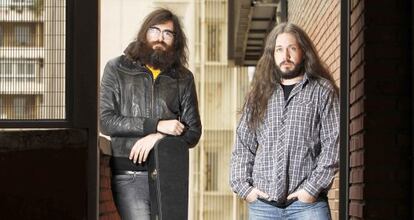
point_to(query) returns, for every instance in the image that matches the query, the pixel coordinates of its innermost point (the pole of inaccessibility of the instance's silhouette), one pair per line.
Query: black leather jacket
(132, 102)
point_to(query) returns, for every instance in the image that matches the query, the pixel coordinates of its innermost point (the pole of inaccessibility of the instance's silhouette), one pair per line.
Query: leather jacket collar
(134, 67)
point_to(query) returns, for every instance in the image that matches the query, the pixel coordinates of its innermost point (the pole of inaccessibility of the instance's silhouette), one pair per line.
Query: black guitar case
(168, 179)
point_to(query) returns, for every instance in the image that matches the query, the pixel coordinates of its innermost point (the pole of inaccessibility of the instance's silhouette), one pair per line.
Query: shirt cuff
(245, 190)
(313, 191)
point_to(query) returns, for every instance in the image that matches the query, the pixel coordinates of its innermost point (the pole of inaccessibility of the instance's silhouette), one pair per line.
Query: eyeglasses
(155, 32)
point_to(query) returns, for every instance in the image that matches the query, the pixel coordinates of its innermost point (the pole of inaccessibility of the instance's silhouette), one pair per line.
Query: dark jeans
(131, 195)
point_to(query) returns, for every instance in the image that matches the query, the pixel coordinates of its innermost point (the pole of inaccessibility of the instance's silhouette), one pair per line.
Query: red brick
(356, 175)
(105, 195)
(357, 12)
(357, 59)
(107, 207)
(354, 4)
(110, 216)
(357, 43)
(356, 192)
(356, 109)
(357, 92)
(356, 142)
(105, 183)
(356, 125)
(356, 159)
(357, 29)
(356, 209)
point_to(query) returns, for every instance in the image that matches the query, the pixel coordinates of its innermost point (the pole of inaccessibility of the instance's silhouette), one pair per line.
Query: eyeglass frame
(165, 33)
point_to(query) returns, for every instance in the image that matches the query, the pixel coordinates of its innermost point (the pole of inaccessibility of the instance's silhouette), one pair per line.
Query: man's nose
(160, 37)
(286, 55)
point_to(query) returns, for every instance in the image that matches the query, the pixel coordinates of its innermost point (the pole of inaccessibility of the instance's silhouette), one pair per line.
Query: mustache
(160, 58)
(286, 62)
(159, 42)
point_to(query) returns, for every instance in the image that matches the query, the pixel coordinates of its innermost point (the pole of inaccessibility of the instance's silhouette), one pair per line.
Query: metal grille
(221, 90)
(32, 59)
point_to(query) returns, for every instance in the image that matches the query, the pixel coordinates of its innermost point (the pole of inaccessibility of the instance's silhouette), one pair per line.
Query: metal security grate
(32, 59)
(222, 88)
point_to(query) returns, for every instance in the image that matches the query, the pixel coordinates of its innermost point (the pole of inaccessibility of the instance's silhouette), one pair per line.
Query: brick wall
(321, 20)
(380, 87)
(357, 110)
(107, 209)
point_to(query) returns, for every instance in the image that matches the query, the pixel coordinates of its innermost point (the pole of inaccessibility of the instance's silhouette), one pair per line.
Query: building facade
(32, 58)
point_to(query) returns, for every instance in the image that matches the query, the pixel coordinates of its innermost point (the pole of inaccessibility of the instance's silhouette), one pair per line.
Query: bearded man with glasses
(146, 94)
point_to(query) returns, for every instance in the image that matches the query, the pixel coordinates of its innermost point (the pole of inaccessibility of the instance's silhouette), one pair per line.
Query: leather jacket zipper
(152, 100)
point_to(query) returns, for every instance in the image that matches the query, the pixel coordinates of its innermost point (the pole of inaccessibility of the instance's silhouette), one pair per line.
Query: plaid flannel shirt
(296, 146)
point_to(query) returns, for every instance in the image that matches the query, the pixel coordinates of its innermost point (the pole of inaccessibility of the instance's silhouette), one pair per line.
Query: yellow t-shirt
(155, 72)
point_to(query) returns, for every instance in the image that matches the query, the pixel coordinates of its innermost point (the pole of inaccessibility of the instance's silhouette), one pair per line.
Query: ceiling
(249, 23)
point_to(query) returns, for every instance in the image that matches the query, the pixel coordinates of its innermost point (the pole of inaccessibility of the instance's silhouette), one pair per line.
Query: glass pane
(32, 59)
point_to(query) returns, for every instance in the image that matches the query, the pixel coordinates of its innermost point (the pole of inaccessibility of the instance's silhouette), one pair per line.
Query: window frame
(81, 98)
(66, 122)
(22, 35)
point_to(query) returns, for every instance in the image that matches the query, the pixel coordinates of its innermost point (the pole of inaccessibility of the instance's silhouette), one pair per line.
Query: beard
(158, 58)
(290, 74)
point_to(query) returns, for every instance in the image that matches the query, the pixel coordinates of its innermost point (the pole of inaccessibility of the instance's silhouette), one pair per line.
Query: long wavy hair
(161, 16)
(267, 76)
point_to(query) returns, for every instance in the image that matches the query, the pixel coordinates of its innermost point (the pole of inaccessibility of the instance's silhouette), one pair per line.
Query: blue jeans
(131, 195)
(298, 210)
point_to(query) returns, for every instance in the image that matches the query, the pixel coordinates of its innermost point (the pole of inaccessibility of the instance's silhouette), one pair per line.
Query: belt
(126, 172)
(279, 204)
(322, 197)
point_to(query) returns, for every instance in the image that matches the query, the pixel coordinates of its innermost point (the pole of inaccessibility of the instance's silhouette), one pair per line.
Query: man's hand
(143, 146)
(171, 127)
(255, 194)
(302, 196)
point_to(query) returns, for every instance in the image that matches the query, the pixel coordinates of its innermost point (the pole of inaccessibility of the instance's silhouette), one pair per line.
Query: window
(19, 69)
(211, 176)
(33, 60)
(18, 106)
(2, 110)
(213, 42)
(22, 2)
(22, 35)
(1, 36)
